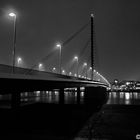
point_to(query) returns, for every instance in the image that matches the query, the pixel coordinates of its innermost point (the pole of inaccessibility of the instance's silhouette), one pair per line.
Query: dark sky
(43, 23)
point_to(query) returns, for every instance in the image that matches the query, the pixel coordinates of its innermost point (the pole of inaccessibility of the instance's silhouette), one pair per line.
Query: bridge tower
(92, 46)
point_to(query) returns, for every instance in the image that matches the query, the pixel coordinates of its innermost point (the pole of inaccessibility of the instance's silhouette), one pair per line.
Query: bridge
(16, 79)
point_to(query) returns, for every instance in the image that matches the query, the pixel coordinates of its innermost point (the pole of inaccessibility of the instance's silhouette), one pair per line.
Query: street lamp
(19, 61)
(54, 69)
(79, 76)
(63, 72)
(13, 15)
(76, 58)
(90, 69)
(40, 67)
(60, 56)
(85, 65)
(70, 73)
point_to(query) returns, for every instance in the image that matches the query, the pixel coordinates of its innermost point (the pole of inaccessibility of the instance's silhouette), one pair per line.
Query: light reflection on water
(126, 98)
(70, 97)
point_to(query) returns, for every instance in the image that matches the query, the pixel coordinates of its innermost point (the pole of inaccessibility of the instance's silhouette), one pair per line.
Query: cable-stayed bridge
(15, 79)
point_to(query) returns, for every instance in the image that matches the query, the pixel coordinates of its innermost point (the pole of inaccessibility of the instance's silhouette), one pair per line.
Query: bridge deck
(25, 79)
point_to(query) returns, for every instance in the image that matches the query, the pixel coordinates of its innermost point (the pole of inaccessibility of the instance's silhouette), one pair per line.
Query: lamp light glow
(12, 14)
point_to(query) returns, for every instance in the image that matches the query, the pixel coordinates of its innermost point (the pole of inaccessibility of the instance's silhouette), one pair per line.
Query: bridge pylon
(92, 45)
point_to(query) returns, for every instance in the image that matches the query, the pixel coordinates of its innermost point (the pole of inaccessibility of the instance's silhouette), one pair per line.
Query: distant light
(40, 64)
(37, 91)
(76, 57)
(70, 73)
(75, 75)
(82, 88)
(12, 14)
(90, 68)
(41, 67)
(85, 64)
(54, 69)
(79, 75)
(127, 83)
(19, 60)
(92, 15)
(63, 71)
(116, 81)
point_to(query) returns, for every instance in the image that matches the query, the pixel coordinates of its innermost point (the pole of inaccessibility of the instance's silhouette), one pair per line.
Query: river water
(122, 98)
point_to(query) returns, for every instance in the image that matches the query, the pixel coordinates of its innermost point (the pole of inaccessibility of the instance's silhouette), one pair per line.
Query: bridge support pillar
(61, 96)
(78, 95)
(15, 100)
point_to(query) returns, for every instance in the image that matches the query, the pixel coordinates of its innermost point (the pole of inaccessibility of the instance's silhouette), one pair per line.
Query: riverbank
(112, 122)
(43, 121)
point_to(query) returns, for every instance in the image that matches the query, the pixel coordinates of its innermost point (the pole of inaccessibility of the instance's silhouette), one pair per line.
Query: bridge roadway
(25, 80)
(30, 80)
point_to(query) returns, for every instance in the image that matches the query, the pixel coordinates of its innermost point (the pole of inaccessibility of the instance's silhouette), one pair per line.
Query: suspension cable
(63, 44)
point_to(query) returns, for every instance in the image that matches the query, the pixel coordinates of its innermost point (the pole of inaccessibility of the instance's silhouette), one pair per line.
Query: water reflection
(127, 98)
(40, 96)
(70, 97)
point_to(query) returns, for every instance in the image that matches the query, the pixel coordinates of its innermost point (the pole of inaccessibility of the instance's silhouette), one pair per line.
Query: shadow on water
(41, 116)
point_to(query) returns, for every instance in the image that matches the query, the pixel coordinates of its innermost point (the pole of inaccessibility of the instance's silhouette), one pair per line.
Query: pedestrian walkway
(112, 122)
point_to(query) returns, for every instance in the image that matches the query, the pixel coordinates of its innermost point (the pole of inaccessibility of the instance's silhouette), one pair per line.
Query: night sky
(43, 23)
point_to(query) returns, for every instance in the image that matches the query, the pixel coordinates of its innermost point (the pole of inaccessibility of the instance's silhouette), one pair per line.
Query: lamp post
(90, 69)
(54, 69)
(76, 58)
(14, 40)
(19, 61)
(85, 65)
(40, 67)
(70, 73)
(60, 56)
(63, 72)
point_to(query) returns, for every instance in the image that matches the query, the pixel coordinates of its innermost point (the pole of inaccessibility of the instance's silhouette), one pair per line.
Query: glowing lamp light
(63, 71)
(12, 14)
(76, 57)
(92, 15)
(19, 59)
(90, 68)
(85, 64)
(40, 65)
(70, 73)
(58, 45)
(54, 69)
